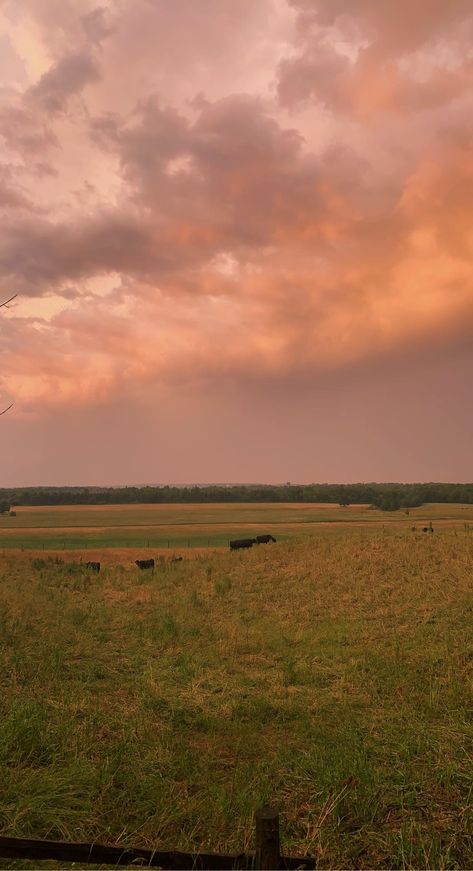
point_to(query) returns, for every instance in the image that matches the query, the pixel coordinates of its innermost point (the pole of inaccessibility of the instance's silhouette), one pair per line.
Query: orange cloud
(240, 247)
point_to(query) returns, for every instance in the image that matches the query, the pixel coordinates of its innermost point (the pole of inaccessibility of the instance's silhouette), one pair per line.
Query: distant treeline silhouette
(388, 497)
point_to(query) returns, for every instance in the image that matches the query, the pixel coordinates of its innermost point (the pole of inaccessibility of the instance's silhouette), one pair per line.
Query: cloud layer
(192, 196)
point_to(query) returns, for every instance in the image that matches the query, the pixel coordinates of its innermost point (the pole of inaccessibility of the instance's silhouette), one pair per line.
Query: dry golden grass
(188, 526)
(332, 676)
(115, 556)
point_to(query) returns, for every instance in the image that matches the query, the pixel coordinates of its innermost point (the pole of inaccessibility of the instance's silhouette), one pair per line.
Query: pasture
(329, 674)
(196, 526)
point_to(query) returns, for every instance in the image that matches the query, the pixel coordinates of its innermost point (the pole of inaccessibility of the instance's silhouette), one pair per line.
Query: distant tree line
(387, 497)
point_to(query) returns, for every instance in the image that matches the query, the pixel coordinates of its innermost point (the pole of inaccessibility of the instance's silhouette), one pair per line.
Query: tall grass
(330, 676)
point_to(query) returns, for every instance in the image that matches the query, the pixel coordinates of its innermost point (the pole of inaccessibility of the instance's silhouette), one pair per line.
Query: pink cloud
(365, 57)
(65, 78)
(242, 241)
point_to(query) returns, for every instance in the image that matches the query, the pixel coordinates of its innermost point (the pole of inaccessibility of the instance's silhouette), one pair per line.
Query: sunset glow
(241, 235)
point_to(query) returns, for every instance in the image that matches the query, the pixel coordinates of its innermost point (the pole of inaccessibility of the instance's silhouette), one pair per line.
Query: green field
(181, 525)
(329, 674)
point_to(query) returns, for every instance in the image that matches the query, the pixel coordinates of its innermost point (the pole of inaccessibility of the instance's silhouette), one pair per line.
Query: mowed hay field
(329, 675)
(189, 526)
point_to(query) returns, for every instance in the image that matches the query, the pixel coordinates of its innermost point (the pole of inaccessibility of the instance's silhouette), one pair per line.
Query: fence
(9, 543)
(267, 854)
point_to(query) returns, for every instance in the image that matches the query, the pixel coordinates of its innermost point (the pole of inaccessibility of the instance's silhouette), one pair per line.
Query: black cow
(176, 559)
(145, 563)
(95, 567)
(264, 539)
(237, 543)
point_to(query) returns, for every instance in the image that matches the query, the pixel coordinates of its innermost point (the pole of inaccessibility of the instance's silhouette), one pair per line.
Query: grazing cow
(264, 539)
(95, 567)
(145, 563)
(176, 559)
(237, 543)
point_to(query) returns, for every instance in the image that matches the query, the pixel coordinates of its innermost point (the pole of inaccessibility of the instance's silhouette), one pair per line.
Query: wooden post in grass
(268, 856)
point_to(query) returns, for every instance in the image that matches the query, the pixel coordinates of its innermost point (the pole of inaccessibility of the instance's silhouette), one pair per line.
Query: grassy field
(161, 526)
(330, 675)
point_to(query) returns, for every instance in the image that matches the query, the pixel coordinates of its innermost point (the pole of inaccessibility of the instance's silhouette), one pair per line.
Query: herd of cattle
(249, 542)
(236, 544)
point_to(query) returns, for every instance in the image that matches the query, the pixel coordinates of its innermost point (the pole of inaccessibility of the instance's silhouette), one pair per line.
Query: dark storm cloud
(365, 56)
(24, 132)
(37, 256)
(65, 79)
(96, 25)
(11, 194)
(231, 175)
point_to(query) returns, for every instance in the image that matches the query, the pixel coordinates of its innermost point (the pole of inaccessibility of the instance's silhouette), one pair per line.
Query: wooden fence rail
(267, 855)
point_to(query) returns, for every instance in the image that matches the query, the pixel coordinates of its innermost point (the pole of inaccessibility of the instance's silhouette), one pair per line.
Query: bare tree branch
(5, 304)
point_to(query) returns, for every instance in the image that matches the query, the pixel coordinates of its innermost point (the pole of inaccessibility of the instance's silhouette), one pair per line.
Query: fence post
(268, 856)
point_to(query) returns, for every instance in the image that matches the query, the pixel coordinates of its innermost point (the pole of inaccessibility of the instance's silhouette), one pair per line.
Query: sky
(240, 235)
